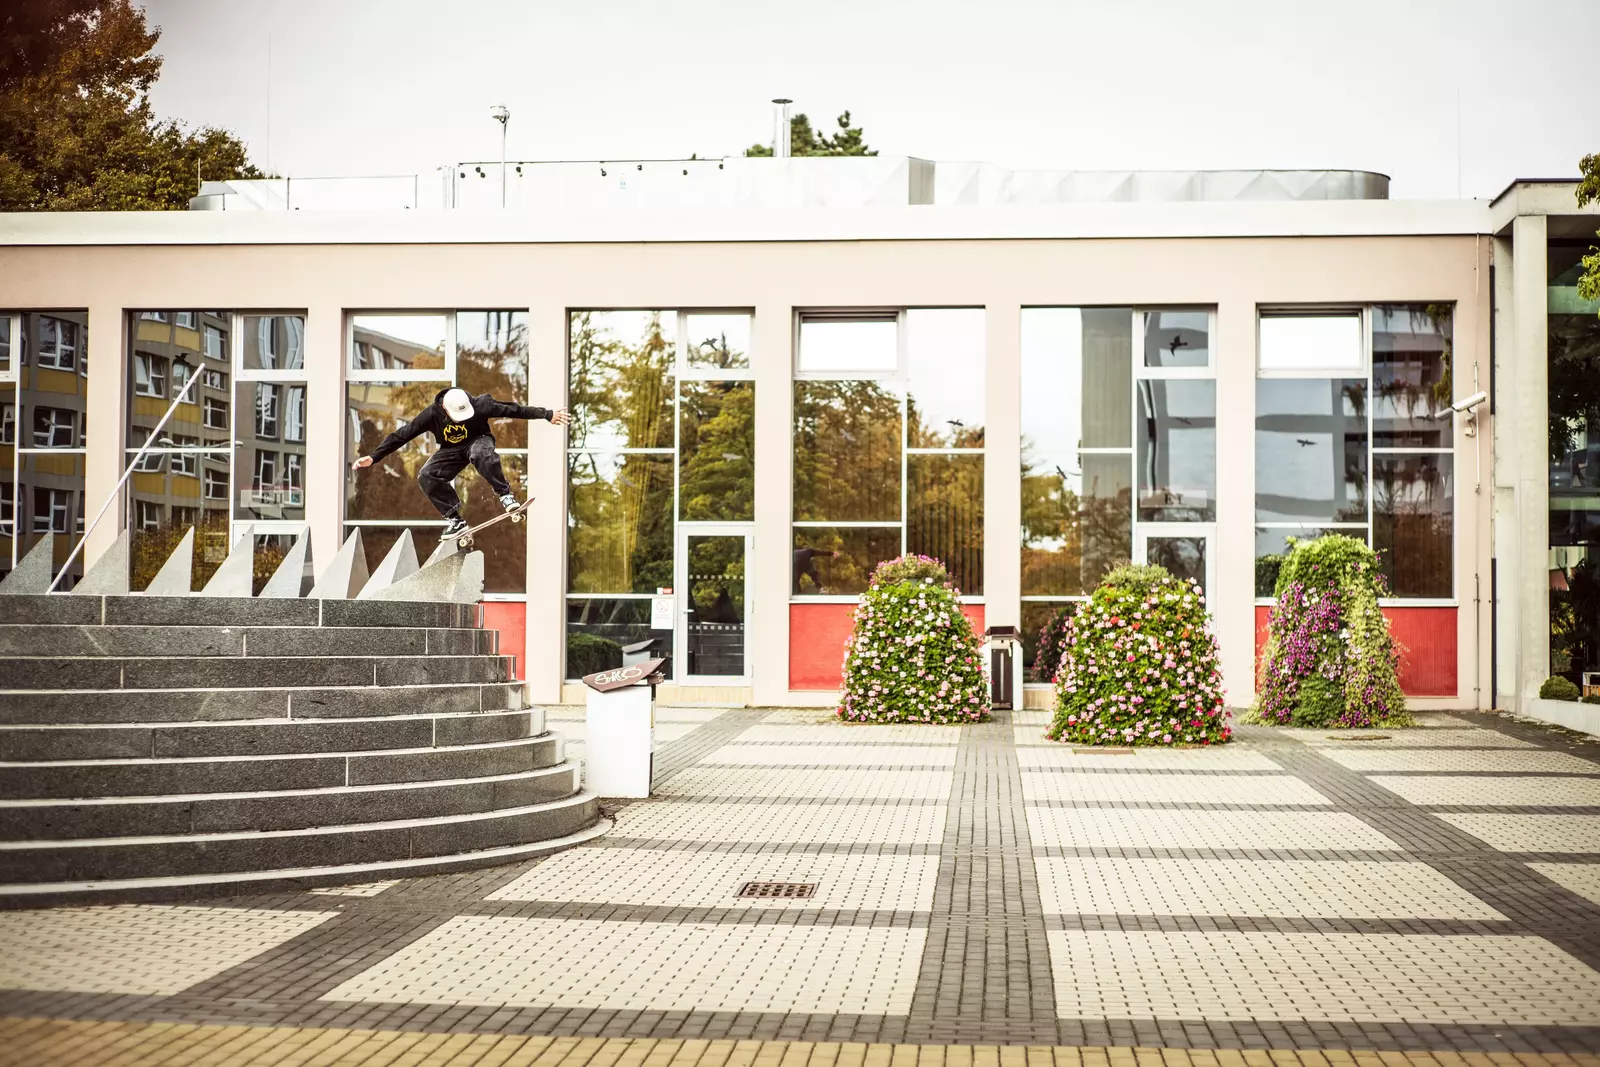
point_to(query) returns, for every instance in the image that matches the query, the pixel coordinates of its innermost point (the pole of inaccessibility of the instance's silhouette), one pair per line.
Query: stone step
(40, 672)
(41, 706)
(188, 887)
(84, 640)
(286, 809)
(232, 611)
(262, 737)
(215, 774)
(177, 855)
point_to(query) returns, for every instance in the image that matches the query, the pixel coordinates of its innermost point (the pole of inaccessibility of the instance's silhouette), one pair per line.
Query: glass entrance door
(715, 604)
(1184, 548)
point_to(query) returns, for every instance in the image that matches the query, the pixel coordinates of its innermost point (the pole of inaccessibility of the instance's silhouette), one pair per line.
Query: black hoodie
(450, 433)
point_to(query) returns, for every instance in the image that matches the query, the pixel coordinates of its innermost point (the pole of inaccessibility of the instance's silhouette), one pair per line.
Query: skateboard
(464, 538)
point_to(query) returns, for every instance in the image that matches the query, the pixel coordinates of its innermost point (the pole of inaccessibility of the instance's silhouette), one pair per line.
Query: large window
(396, 363)
(1109, 440)
(1358, 446)
(663, 431)
(43, 401)
(888, 446)
(1574, 438)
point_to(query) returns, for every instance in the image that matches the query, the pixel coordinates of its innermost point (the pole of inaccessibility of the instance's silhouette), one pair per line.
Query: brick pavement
(980, 893)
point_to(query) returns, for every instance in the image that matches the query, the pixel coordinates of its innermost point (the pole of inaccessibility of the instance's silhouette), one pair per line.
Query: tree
(77, 132)
(804, 141)
(1589, 192)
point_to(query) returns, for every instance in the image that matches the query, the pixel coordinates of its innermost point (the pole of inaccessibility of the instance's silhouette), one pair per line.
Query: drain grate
(777, 890)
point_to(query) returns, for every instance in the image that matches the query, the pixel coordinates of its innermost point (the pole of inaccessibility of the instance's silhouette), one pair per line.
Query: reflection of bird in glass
(1303, 443)
(1176, 343)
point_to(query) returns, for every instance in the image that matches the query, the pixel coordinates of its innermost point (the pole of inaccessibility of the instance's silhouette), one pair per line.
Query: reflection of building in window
(184, 319)
(150, 462)
(181, 373)
(293, 475)
(58, 343)
(294, 414)
(216, 343)
(216, 484)
(54, 427)
(147, 515)
(267, 411)
(149, 375)
(153, 316)
(266, 469)
(52, 509)
(216, 414)
(214, 379)
(8, 424)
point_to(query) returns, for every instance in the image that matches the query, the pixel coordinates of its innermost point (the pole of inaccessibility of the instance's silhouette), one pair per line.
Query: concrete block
(400, 563)
(109, 575)
(289, 580)
(175, 576)
(445, 550)
(347, 575)
(435, 583)
(236, 576)
(33, 572)
(469, 587)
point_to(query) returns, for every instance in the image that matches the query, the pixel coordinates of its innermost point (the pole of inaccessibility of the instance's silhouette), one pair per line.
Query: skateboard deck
(464, 538)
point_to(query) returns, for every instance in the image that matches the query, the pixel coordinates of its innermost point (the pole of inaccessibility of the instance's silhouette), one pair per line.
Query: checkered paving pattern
(975, 887)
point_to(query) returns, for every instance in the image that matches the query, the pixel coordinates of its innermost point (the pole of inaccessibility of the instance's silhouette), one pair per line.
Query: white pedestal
(619, 747)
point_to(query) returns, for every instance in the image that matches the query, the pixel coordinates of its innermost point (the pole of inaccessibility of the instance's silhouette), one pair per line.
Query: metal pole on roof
(501, 115)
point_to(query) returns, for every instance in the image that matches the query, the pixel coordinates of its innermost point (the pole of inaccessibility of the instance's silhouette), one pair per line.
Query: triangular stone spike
(469, 587)
(175, 576)
(289, 580)
(346, 575)
(433, 584)
(401, 562)
(109, 575)
(446, 548)
(236, 576)
(33, 572)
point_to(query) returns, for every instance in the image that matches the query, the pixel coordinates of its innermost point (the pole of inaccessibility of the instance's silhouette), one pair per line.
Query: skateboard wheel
(463, 542)
(516, 519)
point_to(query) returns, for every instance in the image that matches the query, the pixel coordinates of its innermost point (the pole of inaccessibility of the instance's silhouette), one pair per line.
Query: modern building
(783, 372)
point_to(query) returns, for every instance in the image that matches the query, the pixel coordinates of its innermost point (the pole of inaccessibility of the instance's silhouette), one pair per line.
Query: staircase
(169, 746)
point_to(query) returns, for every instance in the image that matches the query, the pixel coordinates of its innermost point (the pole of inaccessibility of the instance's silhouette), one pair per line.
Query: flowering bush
(1329, 659)
(1139, 666)
(1049, 645)
(912, 656)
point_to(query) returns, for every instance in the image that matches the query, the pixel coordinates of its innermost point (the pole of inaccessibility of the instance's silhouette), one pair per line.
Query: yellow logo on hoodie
(454, 433)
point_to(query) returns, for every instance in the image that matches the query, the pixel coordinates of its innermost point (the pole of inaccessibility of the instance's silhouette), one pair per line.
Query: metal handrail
(133, 465)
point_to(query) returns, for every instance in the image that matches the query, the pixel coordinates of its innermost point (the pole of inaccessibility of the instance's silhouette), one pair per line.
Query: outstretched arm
(395, 440)
(499, 409)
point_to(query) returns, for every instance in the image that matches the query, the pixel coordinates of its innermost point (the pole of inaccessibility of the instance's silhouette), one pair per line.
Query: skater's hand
(560, 417)
(364, 461)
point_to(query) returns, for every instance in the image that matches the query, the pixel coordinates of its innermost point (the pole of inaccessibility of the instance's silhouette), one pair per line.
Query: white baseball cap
(457, 404)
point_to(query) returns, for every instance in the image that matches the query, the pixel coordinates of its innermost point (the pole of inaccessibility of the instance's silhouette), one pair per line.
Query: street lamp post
(502, 116)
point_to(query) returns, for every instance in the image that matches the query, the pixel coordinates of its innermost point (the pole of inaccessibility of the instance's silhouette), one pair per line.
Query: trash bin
(1005, 666)
(640, 651)
(619, 755)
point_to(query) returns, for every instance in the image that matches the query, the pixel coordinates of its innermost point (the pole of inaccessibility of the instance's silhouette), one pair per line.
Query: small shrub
(590, 653)
(1327, 624)
(1140, 666)
(1592, 698)
(1559, 688)
(1047, 654)
(912, 656)
(1320, 703)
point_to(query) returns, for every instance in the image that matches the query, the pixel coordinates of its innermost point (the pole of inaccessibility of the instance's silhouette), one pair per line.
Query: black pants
(438, 475)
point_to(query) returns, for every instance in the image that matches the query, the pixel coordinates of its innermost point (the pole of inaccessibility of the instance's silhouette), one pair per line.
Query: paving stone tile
(824, 782)
(1440, 737)
(1515, 832)
(1230, 789)
(1221, 758)
(838, 733)
(1582, 878)
(825, 755)
(795, 822)
(1135, 828)
(1458, 759)
(1473, 791)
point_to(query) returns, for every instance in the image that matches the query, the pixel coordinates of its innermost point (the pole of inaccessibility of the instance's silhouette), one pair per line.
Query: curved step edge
(185, 887)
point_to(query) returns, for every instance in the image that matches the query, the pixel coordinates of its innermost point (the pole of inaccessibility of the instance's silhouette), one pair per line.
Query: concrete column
(1528, 411)
(1233, 603)
(326, 464)
(1002, 467)
(547, 519)
(108, 432)
(772, 360)
(1506, 545)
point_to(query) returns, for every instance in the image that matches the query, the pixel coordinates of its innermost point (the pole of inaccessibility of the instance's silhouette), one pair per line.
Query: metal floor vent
(778, 890)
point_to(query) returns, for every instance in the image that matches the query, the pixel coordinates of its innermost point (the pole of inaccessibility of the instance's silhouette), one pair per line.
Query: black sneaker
(456, 526)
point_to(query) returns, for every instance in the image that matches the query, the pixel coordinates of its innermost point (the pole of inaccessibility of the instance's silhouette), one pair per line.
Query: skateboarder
(460, 423)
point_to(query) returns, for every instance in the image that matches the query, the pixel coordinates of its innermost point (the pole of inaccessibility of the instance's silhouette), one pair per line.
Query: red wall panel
(511, 619)
(817, 633)
(1427, 637)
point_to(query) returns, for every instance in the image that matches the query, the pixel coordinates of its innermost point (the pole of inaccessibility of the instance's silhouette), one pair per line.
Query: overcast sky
(400, 86)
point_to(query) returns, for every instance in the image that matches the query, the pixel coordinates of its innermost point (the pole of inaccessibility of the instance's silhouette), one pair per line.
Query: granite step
(262, 737)
(187, 887)
(241, 672)
(283, 809)
(216, 774)
(45, 706)
(137, 610)
(178, 855)
(268, 641)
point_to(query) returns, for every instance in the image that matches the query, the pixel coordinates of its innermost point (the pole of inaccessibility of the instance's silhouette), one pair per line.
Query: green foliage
(1559, 688)
(589, 653)
(77, 132)
(1592, 698)
(804, 141)
(1327, 629)
(1320, 702)
(1051, 643)
(1588, 192)
(912, 656)
(1140, 666)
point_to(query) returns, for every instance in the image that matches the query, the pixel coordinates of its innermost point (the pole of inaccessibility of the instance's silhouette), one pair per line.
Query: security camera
(1465, 405)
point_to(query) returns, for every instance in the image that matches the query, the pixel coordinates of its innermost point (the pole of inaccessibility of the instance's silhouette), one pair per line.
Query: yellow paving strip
(37, 1042)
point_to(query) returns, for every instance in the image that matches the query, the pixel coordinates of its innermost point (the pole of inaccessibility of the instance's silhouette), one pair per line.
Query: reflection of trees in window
(1411, 374)
(944, 514)
(1413, 522)
(717, 445)
(846, 451)
(619, 537)
(1076, 521)
(620, 388)
(1574, 400)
